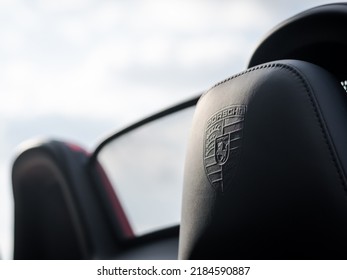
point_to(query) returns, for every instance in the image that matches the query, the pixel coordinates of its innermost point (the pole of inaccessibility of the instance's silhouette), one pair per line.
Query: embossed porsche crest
(222, 145)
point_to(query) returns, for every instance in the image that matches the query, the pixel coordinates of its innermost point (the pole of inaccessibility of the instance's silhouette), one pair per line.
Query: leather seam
(322, 124)
(263, 66)
(314, 104)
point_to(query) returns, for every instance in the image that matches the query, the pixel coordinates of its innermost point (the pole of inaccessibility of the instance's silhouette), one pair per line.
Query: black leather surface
(284, 192)
(47, 222)
(58, 211)
(315, 36)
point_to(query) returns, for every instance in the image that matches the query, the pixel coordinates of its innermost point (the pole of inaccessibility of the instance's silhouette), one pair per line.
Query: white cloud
(74, 31)
(95, 82)
(210, 50)
(155, 51)
(12, 40)
(63, 5)
(193, 17)
(186, 15)
(244, 15)
(108, 15)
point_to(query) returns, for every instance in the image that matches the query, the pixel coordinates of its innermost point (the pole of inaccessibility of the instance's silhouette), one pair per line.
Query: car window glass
(145, 168)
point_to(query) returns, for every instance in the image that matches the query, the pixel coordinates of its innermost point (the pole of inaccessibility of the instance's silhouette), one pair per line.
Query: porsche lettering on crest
(222, 145)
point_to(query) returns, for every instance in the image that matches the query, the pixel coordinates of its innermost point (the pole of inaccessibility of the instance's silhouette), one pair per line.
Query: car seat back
(59, 213)
(265, 175)
(315, 35)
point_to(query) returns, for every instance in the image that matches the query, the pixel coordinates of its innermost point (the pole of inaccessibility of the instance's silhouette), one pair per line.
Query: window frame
(94, 168)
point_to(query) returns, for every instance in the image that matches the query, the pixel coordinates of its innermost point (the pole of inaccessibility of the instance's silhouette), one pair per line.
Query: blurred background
(80, 69)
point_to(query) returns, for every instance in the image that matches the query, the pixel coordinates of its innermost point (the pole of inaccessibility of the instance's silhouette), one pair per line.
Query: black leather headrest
(265, 175)
(316, 36)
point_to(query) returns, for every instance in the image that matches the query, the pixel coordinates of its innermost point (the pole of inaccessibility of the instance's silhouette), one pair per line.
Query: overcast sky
(78, 69)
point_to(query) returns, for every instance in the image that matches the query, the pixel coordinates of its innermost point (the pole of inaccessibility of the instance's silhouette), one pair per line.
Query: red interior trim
(116, 205)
